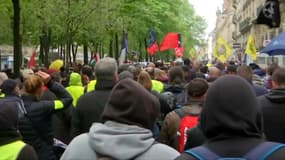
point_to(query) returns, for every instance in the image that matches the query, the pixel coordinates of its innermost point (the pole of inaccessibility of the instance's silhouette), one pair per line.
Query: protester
(232, 123)
(75, 88)
(11, 91)
(176, 86)
(273, 110)
(246, 72)
(196, 91)
(91, 105)
(11, 145)
(126, 133)
(36, 126)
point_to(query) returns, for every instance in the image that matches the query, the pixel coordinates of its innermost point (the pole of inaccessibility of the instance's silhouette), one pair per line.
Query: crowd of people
(184, 111)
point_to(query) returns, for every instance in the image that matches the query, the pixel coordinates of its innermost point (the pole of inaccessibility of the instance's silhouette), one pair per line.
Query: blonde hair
(145, 80)
(32, 84)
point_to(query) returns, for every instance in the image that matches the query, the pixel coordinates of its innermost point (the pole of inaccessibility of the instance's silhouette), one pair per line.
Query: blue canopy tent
(276, 46)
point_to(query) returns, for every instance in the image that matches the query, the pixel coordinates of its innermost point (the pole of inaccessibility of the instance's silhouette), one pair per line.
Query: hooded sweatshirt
(128, 117)
(231, 119)
(75, 89)
(11, 145)
(273, 108)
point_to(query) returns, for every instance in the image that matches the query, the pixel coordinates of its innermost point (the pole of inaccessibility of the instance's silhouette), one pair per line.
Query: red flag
(171, 40)
(151, 50)
(32, 62)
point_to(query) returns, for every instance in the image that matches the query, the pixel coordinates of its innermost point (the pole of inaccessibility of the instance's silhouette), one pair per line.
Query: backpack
(188, 121)
(260, 152)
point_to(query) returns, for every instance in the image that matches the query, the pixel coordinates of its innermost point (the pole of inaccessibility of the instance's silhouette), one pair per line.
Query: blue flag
(124, 49)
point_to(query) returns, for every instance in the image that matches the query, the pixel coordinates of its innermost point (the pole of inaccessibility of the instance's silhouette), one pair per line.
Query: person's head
(87, 70)
(245, 72)
(3, 77)
(75, 79)
(176, 75)
(135, 71)
(33, 85)
(278, 78)
(130, 103)
(145, 80)
(150, 71)
(231, 110)
(10, 87)
(197, 88)
(123, 67)
(106, 70)
(271, 68)
(126, 74)
(231, 69)
(214, 73)
(8, 116)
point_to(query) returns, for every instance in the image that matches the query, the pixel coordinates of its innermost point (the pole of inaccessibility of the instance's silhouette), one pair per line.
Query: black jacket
(273, 109)
(231, 119)
(8, 130)
(90, 106)
(36, 126)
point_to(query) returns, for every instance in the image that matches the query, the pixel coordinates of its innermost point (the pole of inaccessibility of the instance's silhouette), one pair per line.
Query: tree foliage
(95, 23)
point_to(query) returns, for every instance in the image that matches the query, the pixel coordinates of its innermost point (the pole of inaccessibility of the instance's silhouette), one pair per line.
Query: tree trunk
(117, 47)
(47, 41)
(146, 53)
(111, 48)
(17, 38)
(85, 54)
(74, 52)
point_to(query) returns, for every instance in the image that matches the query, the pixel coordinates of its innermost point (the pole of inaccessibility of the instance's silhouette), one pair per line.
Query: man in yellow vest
(75, 88)
(11, 145)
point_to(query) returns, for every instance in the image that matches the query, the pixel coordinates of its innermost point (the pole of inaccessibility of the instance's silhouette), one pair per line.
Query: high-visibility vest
(91, 85)
(76, 92)
(157, 86)
(11, 151)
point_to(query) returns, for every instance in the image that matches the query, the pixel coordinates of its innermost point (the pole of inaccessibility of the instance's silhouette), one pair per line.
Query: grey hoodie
(117, 141)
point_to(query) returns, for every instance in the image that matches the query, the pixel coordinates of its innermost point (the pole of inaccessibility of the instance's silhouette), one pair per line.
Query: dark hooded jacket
(231, 119)
(9, 134)
(90, 107)
(128, 117)
(36, 125)
(273, 109)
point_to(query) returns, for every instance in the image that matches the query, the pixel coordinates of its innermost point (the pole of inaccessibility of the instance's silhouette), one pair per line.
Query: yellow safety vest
(91, 85)
(11, 151)
(76, 92)
(157, 86)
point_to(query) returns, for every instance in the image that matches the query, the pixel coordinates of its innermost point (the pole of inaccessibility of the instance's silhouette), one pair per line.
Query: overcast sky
(207, 9)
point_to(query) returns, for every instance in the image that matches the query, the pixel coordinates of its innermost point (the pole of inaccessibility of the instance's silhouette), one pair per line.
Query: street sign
(236, 45)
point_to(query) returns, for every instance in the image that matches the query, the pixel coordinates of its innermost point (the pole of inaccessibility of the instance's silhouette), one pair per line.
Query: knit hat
(131, 104)
(8, 86)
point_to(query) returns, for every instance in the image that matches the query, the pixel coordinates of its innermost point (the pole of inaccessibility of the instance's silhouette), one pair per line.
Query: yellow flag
(251, 48)
(222, 50)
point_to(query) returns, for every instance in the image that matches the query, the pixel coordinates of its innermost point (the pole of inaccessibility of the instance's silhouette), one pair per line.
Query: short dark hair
(176, 75)
(279, 76)
(197, 87)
